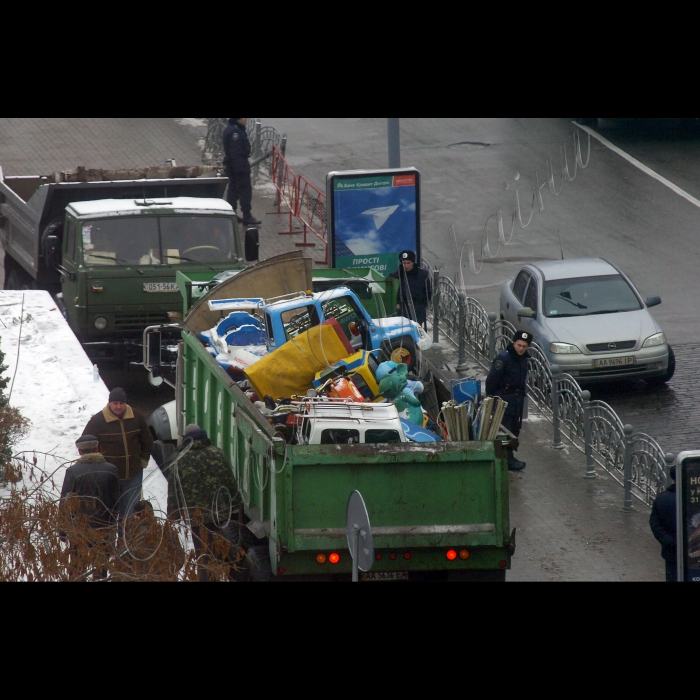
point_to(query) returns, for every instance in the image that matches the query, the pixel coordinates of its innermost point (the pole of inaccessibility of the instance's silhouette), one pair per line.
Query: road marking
(641, 166)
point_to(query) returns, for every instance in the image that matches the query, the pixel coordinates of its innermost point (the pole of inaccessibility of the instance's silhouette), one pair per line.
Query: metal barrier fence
(262, 139)
(634, 460)
(306, 203)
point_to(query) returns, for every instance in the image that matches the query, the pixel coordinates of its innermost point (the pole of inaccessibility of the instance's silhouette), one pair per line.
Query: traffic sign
(359, 531)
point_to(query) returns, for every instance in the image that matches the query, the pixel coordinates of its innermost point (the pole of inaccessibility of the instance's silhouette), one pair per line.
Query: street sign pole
(355, 559)
(394, 131)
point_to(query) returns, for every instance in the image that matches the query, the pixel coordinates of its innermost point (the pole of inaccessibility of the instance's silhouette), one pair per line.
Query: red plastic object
(341, 334)
(345, 389)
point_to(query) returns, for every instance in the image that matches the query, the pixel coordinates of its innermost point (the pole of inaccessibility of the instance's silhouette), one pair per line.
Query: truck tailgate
(446, 495)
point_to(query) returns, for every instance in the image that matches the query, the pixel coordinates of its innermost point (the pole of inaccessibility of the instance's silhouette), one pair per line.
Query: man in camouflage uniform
(203, 492)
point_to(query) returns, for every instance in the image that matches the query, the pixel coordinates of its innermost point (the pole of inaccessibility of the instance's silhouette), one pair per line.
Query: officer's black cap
(407, 255)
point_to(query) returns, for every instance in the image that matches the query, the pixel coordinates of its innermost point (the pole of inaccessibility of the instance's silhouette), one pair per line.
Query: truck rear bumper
(416, 561)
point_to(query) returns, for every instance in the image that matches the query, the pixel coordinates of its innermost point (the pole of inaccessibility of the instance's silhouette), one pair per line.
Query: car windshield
(168, 240)
(588, 296)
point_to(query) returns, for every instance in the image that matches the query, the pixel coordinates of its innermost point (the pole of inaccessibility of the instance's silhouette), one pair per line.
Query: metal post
(257, 151)
(628, 468)
(556, 371)
(283, 151)
(492, 336)
(356, 558)
(588, 444)
(394, 131)
(462, 307)
(436, 306)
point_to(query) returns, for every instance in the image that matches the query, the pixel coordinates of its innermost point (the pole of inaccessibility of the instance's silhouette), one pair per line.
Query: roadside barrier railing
(306, 203)
(635, 460)
(287, 185)
(312, 214)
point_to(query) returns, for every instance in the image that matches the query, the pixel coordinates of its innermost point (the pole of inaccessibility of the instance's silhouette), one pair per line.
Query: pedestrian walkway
(569, 528)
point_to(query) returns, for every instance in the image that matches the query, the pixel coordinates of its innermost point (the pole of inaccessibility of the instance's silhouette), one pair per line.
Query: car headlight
(101, 323)
(564, 349)
(654, 340)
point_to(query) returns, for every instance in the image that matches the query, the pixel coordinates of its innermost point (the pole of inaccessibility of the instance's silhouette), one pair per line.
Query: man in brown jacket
(125, 441)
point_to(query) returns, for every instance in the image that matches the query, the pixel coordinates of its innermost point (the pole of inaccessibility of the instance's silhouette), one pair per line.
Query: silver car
(589, 319)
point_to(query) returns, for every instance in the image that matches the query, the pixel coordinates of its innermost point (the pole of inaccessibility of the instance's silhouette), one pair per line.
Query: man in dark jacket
(416, 288)
(508, 380)
(237, 152)
(91, 489)
(663, 525)
(126, 441)
(203, 491)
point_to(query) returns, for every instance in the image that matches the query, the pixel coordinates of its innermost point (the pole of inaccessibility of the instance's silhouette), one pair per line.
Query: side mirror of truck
(152, 357)
(52, 250)
(526, 312)
(252, 245)
(653, 301)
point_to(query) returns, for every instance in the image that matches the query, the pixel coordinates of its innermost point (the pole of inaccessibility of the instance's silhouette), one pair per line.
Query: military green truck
(438, 511)
(107, 245)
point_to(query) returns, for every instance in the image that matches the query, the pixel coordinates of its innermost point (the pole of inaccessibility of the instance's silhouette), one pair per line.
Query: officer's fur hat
(407, 255)
(524, 336)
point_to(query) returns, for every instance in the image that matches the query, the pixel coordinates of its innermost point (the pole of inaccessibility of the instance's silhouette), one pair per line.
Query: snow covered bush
(12, 427)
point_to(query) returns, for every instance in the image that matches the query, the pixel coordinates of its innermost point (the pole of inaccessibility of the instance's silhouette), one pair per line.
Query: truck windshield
(168, 240)
(588, 296)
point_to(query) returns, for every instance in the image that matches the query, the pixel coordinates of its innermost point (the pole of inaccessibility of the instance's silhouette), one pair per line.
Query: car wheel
(660, 381)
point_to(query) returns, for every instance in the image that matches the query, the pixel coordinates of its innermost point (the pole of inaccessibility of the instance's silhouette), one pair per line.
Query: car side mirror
(653, 301)
(252, 245)
(526, 312)
(52, 251)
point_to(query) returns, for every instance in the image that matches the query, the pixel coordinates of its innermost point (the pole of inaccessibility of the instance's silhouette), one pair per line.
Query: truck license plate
(385, 576)
(614, 362)
(152, 287)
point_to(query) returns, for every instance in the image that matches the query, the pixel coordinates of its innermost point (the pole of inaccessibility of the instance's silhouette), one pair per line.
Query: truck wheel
(258, 565)
(21, 281)
(400, 350)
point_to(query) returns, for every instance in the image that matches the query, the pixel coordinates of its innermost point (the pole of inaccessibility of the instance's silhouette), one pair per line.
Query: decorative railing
(634, 460)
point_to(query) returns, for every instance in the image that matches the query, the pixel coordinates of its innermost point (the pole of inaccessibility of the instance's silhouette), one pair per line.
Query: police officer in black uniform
(237, 152)
(416, 289)
(508, 380)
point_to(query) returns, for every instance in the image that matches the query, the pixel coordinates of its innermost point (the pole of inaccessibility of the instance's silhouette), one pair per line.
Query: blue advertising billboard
(374, 215)
(688, 502)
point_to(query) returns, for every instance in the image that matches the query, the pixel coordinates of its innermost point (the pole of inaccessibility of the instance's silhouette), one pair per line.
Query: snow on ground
(54, 386)
(192, 121)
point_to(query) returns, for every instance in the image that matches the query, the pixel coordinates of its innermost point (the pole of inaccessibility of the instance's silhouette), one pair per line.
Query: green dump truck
(107, 245)
(438, 511)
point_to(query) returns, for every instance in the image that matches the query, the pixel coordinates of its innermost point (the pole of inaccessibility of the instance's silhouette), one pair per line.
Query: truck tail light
(407, 556)
(503, 564)
(464, 554)
(393, 557)
(334, 558)
(452, 555)
(321, 559)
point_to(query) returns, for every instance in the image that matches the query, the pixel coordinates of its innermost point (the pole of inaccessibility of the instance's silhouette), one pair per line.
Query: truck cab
(118, 261)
